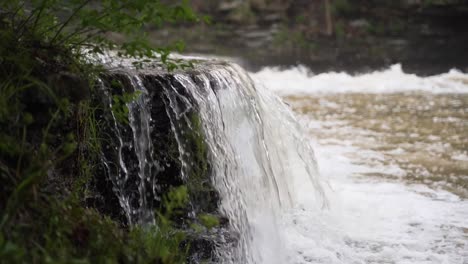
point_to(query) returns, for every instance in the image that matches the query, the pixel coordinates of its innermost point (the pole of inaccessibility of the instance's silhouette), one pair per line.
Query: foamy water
(300, 80)
(391, 201)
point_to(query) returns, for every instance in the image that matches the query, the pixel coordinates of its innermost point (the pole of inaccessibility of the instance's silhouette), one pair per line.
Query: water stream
(389, 186)
(254, 143)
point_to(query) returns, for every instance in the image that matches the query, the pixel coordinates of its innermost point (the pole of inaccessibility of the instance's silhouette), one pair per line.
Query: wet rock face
(69, 85)
(166, 173)
(131, 195)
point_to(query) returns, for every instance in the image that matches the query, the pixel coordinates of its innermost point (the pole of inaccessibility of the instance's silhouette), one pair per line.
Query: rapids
(393, 148)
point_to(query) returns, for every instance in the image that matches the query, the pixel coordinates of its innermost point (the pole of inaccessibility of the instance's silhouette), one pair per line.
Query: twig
(77, 32)
(16, 13)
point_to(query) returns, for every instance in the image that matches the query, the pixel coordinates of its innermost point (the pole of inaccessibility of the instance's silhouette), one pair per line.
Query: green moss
(199, 183)
(199, 147)
(209, 221)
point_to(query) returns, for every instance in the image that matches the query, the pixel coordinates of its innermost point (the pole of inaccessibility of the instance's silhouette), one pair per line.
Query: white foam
(300, 80)
(376, 221)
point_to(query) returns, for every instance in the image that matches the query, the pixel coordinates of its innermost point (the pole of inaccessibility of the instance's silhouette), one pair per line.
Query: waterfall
(256, 155)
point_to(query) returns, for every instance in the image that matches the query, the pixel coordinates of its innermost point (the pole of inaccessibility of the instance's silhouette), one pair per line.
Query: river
(392, 151)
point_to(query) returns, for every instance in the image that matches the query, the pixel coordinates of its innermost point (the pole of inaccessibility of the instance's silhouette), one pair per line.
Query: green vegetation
(119, 105)
(199, 185)
(66, 232)
(51, 136)
(209, 221)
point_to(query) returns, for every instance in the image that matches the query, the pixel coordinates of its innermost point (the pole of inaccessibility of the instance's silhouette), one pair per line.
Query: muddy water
(424, 135)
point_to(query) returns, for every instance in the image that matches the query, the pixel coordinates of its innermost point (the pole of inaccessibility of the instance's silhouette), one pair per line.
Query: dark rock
(69, 85)
(203, 197)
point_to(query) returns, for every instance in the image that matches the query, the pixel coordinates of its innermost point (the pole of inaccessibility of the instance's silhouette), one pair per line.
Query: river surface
(392, 151)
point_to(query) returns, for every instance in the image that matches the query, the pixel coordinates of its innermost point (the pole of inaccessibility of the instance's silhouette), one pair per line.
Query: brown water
(426, 135)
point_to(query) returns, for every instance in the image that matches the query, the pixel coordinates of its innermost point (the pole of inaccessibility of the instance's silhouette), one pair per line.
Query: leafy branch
(89, 23)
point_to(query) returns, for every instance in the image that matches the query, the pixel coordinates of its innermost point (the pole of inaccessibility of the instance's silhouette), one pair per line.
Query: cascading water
(256, 153)
(247, 131)
(135, 202)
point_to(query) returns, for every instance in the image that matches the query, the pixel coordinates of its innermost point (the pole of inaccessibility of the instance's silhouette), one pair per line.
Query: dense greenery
(50, 136)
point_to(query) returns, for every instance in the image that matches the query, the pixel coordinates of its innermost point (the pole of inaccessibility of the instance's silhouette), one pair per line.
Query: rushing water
(391, 151)
(259, 157)
(258, 154)
(394, 148)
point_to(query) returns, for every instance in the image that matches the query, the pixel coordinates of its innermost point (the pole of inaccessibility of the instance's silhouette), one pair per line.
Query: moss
(209, 221)
(199, 183)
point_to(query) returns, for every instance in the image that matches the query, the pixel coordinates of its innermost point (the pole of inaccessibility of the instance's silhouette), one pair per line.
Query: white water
(369, 220)
(373, 221)
(300, 80)
(259, 159)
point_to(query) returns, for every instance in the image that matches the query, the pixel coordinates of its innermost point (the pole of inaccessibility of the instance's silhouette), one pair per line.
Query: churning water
(394, 149)
(391, 180)
(259, 157)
